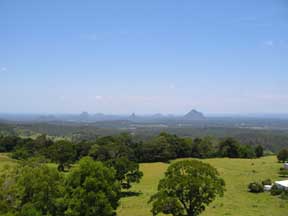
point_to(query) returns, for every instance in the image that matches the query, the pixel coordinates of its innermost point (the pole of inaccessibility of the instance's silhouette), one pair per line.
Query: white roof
(282, 183)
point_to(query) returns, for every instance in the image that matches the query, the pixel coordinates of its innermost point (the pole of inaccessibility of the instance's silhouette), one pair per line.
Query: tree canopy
(127, 171)
(30, 188)
(187, 188)
(91, 189)
(283, 155)
(35, 189)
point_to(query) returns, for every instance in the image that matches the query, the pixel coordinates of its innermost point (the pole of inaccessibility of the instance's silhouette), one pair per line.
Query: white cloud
(99, 97)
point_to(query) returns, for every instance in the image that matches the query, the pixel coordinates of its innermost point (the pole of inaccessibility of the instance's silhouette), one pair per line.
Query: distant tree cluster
(161, 148)
(63, 152)
(233, 149)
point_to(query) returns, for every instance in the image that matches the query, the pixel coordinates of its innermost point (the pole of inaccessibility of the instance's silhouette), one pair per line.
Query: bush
(259, 151)
(284, 195)
(267, 182)
(275, 191)
(255, 187)
(283, 172)
(283, 155)
(20, 154)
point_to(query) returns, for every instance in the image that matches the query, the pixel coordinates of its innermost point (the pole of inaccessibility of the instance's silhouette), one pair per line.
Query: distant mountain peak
(132, 116)
(194, 115)
(84, 116)
(157, 115)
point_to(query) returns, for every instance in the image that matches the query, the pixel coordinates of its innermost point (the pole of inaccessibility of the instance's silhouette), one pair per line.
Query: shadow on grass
(130, 193)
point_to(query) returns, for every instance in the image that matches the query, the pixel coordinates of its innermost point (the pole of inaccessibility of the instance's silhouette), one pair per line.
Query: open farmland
(237, 173)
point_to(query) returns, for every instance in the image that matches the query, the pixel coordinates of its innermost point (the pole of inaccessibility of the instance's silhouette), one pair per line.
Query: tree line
(160, 148)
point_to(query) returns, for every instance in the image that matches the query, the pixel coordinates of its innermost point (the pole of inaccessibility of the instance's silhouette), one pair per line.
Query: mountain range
(193, 115)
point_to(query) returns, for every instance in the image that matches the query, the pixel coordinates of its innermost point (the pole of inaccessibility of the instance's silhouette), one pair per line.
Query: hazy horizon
(144, 57)
(244, 115)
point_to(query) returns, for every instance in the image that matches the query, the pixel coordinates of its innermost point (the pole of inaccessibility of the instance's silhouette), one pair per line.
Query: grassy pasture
(5, 160)
(237, 173)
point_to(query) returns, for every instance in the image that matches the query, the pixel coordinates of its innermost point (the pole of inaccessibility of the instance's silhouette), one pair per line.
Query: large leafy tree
(203, 147)
(63, 152)
(283, 155)
(180, 147)
(111, 147)
(91, 189)
(30, 188)
(229, 148)
(127, 171)
(259, 151)
(187, 188)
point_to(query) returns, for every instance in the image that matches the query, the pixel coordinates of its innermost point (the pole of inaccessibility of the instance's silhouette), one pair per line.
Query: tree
(82, 149)
(229, 148)
(127, 171)
(259, 151)
(91, 189)
(8, 143)
(110, 147)
(187, 188)
(30, 189)
(203, 148)
(20, 153)
(63, 152)
(41, 144)
(158, 149)
(179, 147)
(246, 151)
(283, 155)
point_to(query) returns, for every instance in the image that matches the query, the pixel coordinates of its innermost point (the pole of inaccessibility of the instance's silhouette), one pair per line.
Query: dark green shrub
(275, 191)
(259, 151)
(255, 187)
(284, 195)
(20, 154)
(283, 173)
(267, 182)
(283, 155)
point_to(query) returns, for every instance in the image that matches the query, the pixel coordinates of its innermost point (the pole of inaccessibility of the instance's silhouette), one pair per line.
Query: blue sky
(144, 56)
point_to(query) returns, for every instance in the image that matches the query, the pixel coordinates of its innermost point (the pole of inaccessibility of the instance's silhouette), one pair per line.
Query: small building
(283, 185)
(285, 166)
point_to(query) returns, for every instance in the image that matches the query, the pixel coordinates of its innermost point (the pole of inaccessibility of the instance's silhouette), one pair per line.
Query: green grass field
(238, 173)
(5, 160)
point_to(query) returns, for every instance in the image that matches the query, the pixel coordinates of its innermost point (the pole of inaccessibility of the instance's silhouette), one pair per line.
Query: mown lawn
(237, 173)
